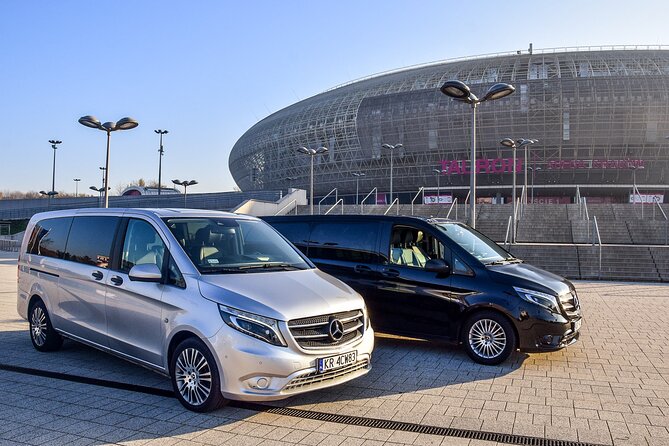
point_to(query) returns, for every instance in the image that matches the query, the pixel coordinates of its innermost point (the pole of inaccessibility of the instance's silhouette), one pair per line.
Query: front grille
(314, 332)
(316, 378)
(570, 305)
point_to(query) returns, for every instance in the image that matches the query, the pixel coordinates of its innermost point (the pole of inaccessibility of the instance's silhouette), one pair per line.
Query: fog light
(259, 382)
(547, 339)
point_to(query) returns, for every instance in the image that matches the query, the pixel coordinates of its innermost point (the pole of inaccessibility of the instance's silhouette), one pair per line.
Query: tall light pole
(438, 173)
(110, 126)
(312, 153)
(49, 194)
(160, 158)
(508, 142)
(460, 92)
(76, 187)
(357, 176)
(54, 146)
(534, 170)
(392, 149)
(185, 184)
(526, 143)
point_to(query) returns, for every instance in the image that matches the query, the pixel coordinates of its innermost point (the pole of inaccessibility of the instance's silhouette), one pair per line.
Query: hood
(527, 276)
(282, 295)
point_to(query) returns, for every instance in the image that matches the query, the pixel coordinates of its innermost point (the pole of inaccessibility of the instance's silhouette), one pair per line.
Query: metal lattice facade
(610, 104)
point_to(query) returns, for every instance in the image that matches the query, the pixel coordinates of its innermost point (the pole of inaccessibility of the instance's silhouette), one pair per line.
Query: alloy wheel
(193, 376)
(38, 327)
(487, 338)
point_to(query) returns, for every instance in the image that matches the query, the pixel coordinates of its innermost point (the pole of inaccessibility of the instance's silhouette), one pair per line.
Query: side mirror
(146, 272)
(438, 266)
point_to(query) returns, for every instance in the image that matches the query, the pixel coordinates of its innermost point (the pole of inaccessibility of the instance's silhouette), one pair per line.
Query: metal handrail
(329, 193)
(9, 244)
(448, 214)
(514, 234)
(422, 189)
(635, 191)
(508, 229)
(587, 215)
(291, 202)
(523, 196)
(396, 200)
(341, 200)
(599, 242)
(362, 203)
(467, 207)
(666, 228)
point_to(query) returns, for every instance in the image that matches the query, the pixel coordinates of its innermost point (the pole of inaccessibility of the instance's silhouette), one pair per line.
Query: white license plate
(337, 361)
(577, 325)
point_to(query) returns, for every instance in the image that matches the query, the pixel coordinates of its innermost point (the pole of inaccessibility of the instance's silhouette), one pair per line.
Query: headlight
(261, 327)
(537, 297)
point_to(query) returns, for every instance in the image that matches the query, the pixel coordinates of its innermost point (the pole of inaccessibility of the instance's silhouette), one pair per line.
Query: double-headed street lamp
(312, 153)
(460, 92)
(185, 184)
(49, 194)
(110, 126)
(160, 159)
(76, 186)
(99, 190)
(391, 148)
(526, 143)
(357, 176)
(54, 146)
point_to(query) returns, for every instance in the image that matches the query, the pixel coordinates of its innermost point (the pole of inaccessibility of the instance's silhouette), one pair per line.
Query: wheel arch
(473, 311)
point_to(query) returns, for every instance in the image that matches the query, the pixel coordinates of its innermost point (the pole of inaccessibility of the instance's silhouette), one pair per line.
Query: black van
(435, 278)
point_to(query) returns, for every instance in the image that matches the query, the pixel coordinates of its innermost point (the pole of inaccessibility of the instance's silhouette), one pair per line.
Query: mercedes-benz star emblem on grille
(336, 330)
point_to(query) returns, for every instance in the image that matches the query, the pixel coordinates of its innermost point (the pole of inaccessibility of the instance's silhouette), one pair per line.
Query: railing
(587, 215)
(292, 202)
(467, 207)
(448, 214)
(597, 238)
(9, 245)
(666, 220)
(340, 201)
(374, 191)
(325, 197)
(514, 233)
(397, 209)
(422, 189)
(523, 198)
(508, 229)
(635, 191)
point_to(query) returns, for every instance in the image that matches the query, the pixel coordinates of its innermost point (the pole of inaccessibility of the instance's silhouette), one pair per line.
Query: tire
(489, 338)
(42, 334)
(198, 388)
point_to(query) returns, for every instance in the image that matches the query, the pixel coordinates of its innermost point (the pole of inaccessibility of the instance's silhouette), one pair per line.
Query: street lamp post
(49, 194)
(54, 146)
(460, 92)
(438, 173)
(110, 126)
(391, 148)
(312, 153)
(185, 184)
(76, 187)
(357, 176)
(534, 170)
(160, 158)
(508, 142)
(525, 143)
(99, 190)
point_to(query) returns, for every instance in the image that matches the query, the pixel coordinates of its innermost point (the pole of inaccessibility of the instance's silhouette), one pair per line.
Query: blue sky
(208, 70)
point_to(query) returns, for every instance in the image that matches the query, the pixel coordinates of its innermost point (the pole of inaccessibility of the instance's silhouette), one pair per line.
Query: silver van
(219, 302)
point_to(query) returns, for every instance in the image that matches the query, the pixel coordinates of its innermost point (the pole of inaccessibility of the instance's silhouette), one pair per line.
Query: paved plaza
(612, 387)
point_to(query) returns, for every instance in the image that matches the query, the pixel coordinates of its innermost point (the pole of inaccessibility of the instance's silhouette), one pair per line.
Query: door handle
(116, 280)
(389, 272)
(362, 269)
(97, 275)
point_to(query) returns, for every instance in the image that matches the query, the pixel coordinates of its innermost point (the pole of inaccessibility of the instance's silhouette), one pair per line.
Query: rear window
(90, 240)
(49, 237)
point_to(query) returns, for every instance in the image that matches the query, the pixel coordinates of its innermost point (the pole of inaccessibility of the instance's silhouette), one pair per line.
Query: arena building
(601, 116)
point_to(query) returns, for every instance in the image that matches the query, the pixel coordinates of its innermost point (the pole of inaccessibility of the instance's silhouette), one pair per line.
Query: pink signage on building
(505, 165)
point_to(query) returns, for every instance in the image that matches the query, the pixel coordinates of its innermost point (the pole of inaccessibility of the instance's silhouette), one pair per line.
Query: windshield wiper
(222, 270)
(285, 266)
(504, 261)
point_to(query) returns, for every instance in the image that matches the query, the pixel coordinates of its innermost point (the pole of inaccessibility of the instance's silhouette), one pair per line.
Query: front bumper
(541, 335)
(252, 370)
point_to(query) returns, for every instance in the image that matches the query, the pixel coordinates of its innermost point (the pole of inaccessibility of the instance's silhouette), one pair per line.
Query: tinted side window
(49, 237)
(297, 233)
(90, 240)
(348, 241)
(142, 245)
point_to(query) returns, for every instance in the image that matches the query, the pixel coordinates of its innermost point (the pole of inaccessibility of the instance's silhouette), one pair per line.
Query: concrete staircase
(561, 260)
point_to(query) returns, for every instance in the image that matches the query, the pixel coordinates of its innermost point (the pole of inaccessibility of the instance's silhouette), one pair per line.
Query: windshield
(228, 245)
(481, 247)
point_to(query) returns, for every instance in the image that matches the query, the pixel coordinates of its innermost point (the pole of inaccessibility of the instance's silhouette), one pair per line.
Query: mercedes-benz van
(221, 303)
(434, 278)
